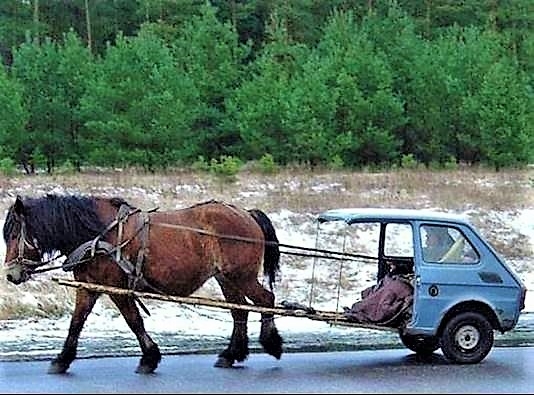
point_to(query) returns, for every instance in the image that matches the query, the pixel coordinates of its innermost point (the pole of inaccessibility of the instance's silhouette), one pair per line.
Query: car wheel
(467, 338)
(420, 344)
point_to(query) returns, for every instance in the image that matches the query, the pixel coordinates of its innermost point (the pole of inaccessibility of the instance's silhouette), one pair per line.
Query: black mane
(59, 223)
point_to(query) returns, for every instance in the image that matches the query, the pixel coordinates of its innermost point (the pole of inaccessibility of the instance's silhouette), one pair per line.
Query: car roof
(352, 215)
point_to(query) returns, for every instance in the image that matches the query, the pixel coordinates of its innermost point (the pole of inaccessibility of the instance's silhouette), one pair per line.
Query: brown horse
(109, 242)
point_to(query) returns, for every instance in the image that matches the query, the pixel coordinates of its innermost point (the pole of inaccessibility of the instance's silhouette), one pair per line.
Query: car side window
(443, 244)
(399, 240)
(399, 248)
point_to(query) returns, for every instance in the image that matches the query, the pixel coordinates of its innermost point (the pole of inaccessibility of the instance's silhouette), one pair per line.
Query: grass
(36, 299)
(300, 191)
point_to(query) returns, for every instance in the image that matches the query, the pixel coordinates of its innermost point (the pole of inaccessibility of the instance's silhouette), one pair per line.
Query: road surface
(505, 370)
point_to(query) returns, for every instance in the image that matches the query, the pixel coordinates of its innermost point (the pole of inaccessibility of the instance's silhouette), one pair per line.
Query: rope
(312, 284)
(345, 255)
(47, 269)
(340, 272)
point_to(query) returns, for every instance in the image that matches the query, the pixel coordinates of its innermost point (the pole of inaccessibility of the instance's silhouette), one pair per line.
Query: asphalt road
(505, 370)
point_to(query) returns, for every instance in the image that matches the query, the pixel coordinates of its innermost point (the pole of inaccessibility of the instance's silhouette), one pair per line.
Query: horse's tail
(271, 256)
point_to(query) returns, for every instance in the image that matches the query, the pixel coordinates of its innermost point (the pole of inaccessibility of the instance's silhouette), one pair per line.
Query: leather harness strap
(98, 246)
(144, 224)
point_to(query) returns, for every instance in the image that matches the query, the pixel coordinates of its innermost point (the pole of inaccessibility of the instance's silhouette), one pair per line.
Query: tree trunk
(88, 23)
(428, 18)
(36, 20)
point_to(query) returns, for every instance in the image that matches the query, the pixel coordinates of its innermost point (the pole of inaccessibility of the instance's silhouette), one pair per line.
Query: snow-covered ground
(186, 328)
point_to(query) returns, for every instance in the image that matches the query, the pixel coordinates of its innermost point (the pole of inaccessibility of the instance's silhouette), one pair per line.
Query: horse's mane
(61, 222)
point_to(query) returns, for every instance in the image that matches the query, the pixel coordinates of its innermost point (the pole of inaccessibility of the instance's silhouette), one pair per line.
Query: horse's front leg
(85, 301)
(151, 354)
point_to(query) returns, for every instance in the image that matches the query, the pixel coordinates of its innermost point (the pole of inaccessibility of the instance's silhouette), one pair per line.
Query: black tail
(271, 257)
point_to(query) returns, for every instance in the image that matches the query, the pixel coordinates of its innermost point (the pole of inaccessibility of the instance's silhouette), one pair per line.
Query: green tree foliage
(393, 34)
(13, 118)
(107, 20)
(139, 105)
(367, 111)
(310, 115)
(209, 54)
(261, 104)
(76, 69)
(15, 22)
(506, 120)
(438, 78)
(246, 16)
(54, 77)
(527, 53)
(467, 55)
(339, 103)
(34, 66)
(430, 104)
(340, 83)
(169, 12)
(515, 19)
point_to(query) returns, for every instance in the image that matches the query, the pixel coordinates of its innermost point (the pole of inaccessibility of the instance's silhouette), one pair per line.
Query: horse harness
(115, 252)
(21, 243)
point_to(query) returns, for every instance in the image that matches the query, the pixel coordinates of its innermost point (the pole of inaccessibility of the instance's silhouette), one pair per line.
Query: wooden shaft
(331, 317)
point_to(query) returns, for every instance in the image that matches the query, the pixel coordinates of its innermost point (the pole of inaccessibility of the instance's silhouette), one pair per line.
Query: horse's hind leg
(151, 354)
(85, 302)
(270, 339)
(237, 350)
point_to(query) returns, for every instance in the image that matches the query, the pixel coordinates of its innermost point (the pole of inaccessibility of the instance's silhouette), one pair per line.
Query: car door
(446, 278)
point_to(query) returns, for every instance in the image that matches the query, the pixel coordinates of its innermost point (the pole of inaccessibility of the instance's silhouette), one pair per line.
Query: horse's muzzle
(17, 274)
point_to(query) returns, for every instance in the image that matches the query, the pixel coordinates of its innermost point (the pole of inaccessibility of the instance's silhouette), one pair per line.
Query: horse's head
(22, 249)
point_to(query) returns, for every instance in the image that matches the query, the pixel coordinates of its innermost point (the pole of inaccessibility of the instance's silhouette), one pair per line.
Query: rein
(47, 269)
(344, 255)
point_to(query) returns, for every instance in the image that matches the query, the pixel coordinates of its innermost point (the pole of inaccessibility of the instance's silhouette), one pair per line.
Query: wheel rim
(467, 337)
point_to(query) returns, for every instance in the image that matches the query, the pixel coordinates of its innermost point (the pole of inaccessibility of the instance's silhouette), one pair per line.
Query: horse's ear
(19, 206)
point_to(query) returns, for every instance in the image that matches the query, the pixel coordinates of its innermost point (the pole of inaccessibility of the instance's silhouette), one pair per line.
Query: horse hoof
(223, 363)
(57, 368)
(145, 369)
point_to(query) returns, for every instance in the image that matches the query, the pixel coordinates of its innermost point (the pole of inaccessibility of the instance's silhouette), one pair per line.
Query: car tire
(420, 344)
(467, 338)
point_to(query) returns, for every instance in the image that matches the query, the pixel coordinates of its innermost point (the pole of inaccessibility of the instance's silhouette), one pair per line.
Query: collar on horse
(99, 246)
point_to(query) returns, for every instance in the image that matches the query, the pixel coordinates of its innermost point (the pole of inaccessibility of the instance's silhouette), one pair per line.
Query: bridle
(29, 265)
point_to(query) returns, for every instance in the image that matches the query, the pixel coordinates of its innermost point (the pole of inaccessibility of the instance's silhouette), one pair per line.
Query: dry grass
(302, 192)
(35, 299)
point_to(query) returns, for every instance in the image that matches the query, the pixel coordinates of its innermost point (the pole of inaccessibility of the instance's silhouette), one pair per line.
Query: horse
(110, 242)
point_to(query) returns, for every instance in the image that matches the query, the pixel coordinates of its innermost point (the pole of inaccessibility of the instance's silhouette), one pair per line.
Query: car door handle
(433, 290)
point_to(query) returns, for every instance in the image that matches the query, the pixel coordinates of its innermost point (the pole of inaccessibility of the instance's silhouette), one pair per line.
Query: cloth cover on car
(387, 303)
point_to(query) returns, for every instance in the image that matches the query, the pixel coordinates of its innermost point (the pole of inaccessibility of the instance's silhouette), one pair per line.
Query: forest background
(353, 84)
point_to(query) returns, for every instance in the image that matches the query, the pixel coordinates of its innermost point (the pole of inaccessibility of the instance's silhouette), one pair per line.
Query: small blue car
(463, 289)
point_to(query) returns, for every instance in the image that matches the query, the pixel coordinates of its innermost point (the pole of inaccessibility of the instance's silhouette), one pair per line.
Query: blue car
(463, 290)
